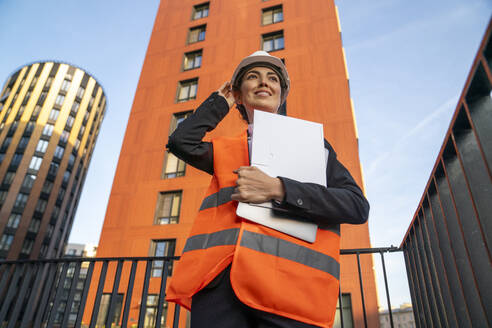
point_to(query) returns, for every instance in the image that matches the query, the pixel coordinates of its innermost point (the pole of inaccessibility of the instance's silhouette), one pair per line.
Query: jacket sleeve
(340, 201)
(186, 141)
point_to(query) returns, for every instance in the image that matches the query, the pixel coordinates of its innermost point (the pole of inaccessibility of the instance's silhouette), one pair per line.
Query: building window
(66, 176)
(56, 212)
(27, 96)
(42, 97)
(20, 112)
(65, 85)
(53, 168)
(80, 92)
(33, 82)
(173, 166)
(104, 309)
(27, 246)
(35, 112)
(22, 143)
(61, 194)
(346, 310)
(187, 90)
(49, 80)
(3, 196)
(16, 159)
(54, 114)
(273, 41)
(200, 11)
(192, 60)
(151, 311)
(14, 220)
(196, 34)
(64, 136)
(42, 146)
(35, 224)
(48, 130)
(161, 248)
(29, 128)
(70, 121)
(21, 200)
(6, 143)
(35, 163)
(28, 182)
(6, 241)
(47, 186)
(59, 100)
(9, 177)
(75, 107)
(59, 152)
(71, 160)
(167, 208)
(272, 15)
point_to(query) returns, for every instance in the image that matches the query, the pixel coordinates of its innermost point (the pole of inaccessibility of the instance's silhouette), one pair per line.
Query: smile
(263, 93)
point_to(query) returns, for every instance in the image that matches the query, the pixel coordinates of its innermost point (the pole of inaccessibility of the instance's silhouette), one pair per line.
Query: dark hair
(242, 111)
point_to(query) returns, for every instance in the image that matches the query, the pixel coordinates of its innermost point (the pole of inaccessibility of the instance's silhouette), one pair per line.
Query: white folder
(291, 148)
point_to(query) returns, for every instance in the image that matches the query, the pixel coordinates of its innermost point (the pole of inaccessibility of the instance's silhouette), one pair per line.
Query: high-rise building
(50, 116)
(194, 48)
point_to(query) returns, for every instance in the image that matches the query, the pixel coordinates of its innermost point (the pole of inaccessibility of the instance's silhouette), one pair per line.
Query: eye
(273, 78)
(251, 76)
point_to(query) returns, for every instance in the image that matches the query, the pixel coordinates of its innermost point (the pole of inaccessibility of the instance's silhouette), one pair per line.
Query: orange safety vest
(270, 271)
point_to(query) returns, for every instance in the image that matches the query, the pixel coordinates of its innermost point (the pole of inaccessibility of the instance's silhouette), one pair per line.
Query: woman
(233, 272)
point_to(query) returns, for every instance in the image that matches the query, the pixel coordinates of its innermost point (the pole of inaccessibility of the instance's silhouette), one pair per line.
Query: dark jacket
(340, 201)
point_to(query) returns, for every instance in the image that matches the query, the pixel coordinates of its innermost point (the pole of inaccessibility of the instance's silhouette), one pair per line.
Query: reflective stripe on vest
(207, 240)
(290, 251)
(224, 195)
(216, 199)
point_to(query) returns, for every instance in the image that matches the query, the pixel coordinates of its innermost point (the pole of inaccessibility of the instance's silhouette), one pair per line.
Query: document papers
(291, 148)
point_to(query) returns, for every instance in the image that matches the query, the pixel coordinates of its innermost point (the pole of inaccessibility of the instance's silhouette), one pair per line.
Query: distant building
(402, 317)
(50, 116)
(74, 250)
(80, 250)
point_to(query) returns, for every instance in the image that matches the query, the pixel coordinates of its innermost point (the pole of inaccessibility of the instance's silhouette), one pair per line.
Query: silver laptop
(292, 148)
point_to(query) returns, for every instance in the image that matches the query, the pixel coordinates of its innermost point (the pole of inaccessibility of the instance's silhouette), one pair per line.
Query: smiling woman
(241, 267)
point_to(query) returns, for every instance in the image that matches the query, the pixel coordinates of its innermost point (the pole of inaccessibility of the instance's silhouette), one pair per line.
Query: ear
(237, 96)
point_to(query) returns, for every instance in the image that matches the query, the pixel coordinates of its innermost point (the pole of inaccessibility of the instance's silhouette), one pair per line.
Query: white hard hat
(258, 58)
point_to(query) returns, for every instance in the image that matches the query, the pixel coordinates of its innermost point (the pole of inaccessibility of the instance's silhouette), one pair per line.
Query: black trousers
(216, 306)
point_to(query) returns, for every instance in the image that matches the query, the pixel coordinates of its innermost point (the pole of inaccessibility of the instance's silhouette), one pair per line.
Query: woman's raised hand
(225, 91)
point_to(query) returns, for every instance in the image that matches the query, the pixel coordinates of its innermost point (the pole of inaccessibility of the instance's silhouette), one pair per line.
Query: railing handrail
(69, 258)
(91, 259)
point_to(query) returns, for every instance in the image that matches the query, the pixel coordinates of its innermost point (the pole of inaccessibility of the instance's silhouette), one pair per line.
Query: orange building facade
(194, 48)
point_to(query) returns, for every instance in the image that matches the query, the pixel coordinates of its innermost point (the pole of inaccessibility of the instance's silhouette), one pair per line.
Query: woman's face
(260, 89)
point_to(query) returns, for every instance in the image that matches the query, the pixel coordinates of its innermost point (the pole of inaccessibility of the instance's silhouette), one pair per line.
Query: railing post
(100, 289)
(145, 288)
(71, 294)
(162, 292)
(83, 298)
(129, 292)
(361, 290)
(114, 293)
(387, 290)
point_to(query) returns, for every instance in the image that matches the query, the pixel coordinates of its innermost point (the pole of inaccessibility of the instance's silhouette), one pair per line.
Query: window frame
(200, 8)
(187, 83)
(158, 266)
(272, 36)
(272, 10)
(191, 53)
(201, 28)
(161, 199)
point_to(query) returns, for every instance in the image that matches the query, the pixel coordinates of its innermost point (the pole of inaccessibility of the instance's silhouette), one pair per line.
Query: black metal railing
(118, 291)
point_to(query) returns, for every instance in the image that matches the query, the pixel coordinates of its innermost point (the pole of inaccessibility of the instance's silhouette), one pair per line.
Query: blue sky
(407, 61)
